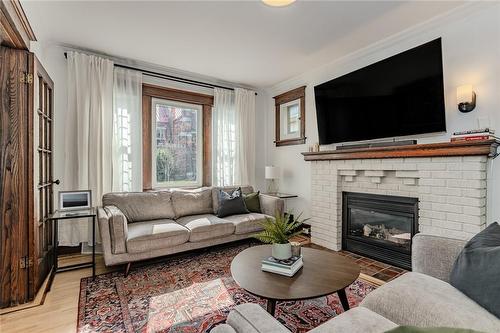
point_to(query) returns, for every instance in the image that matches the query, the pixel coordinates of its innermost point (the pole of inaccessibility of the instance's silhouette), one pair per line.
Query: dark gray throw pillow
(231, 203)
(477, 269)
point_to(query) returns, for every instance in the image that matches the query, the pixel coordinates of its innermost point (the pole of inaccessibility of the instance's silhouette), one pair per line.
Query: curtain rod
(169, 77)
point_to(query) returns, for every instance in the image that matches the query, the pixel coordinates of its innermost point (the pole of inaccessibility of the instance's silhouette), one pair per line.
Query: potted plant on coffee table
(278, 233)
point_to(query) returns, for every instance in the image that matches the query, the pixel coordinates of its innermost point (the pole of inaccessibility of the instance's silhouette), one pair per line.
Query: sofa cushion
(215, 194)
(417, 299)
(192, 202)
(142, 206)
(356, 320)
(245, 223)
(252, 202)
(476, 271)
(154, 235)
(231, 203)
(206, 226)
(252, 318)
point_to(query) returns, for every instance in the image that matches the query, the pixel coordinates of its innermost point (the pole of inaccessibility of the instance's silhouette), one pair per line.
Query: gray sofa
(421, 298)
(140, 225)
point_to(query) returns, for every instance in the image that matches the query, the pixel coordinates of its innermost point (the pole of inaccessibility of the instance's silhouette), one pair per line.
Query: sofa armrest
(103, 223)
(434, 255)
(271, 205)
(118, 229)
(252, 318)
(223, 328)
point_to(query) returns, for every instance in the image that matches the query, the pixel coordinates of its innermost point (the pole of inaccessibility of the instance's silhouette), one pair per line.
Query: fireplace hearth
(380, 226)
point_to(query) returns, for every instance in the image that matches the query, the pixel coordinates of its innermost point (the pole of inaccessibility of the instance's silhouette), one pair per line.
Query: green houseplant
(278, 232)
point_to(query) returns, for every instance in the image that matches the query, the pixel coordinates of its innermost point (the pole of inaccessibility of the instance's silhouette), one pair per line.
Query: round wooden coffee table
(323, 273)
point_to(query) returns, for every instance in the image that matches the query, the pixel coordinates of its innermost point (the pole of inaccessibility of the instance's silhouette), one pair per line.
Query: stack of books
(286, 267)
(473, 135)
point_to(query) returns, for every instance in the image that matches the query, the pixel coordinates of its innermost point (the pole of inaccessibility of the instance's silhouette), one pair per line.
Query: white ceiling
(244, 42)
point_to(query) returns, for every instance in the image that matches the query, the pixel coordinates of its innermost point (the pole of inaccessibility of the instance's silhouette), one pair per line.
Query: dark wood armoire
(26, 178)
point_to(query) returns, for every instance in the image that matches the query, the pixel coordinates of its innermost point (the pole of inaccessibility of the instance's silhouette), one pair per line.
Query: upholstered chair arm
(271, 205)
(434, 255)
(118, 229)
(223, 328)
(252, 318)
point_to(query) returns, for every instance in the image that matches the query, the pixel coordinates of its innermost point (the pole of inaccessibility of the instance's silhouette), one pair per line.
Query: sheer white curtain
(245, 136)
(233, 137)
(88, 134)
(224, 141)
(127, 130)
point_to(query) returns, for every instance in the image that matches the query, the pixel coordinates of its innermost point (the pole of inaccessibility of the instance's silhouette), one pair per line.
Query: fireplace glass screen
(388, 228)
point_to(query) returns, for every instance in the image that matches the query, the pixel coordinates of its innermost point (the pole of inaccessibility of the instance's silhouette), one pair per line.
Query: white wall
(471, 54)
(52, 58)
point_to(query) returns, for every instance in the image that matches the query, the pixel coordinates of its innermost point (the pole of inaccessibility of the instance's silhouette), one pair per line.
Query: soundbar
(377, 144)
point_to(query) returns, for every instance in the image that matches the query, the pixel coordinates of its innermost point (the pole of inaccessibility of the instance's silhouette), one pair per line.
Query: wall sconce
(466, 98)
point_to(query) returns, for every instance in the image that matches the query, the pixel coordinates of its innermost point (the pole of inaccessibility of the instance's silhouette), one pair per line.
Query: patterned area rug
(190, 293)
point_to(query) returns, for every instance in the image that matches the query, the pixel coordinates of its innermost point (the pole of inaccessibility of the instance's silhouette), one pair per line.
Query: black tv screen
(398, 96)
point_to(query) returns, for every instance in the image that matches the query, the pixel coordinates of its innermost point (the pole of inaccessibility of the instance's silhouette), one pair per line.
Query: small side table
(286, 196)
(67, 215)
(281, 195)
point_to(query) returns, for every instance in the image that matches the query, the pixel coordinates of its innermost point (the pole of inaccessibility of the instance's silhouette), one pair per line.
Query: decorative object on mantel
(474, 135)
(278, 232)
(459, 148)
(316, 147)
(290, 119)
(466, 98)
(272, 173)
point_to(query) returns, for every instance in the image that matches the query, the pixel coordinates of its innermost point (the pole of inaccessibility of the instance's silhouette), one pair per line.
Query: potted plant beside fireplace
(278, 232)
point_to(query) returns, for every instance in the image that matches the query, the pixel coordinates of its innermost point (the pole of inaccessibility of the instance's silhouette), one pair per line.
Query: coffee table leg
(343, 299)
(271, 306)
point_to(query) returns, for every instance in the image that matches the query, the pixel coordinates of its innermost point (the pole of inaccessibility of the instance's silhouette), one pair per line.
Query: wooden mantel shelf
(466, 148)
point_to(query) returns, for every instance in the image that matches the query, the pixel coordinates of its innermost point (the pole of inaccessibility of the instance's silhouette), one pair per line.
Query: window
(290, 117)
(177, 147)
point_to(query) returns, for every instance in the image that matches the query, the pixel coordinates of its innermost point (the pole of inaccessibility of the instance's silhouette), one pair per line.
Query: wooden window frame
(206, 101)
(292, 95)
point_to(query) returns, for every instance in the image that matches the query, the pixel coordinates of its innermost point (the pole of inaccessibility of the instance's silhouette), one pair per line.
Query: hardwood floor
(58, 313)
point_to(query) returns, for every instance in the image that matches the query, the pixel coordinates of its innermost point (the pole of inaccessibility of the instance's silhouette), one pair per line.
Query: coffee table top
(323, 273)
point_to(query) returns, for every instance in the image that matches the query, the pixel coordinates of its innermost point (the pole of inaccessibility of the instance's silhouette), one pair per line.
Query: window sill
(290, 142)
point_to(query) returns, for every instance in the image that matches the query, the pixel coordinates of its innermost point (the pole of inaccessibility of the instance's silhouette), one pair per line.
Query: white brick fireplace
(451, 191)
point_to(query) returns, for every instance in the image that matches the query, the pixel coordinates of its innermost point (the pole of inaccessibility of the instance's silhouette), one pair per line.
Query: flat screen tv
(398, 96)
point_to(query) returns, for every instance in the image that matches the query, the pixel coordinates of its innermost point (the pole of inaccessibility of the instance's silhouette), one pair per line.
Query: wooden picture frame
(292, 98)
(75, 200)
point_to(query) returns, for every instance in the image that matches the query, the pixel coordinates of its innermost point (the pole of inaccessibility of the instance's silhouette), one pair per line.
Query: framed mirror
(290, 117)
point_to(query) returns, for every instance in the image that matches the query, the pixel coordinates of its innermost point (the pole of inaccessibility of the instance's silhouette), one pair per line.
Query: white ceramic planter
(282, 251)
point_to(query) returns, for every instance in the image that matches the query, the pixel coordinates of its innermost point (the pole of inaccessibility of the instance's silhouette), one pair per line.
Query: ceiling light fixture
(278, 3)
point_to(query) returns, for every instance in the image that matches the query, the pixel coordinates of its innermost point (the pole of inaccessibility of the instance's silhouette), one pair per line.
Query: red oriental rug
(190, 293)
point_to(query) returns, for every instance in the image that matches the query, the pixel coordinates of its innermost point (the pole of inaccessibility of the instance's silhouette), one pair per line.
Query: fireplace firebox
(379, 226)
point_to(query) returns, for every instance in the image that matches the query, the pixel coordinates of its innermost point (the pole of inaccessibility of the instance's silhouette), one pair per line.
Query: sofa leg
(127, 269)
